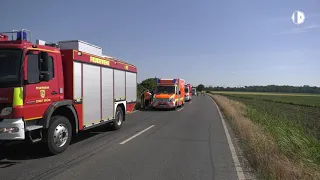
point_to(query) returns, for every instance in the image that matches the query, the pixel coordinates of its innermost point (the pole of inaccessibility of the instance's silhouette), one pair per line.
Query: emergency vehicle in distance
(188, 91)
(50, 92)
(169, 93)
(194, 91)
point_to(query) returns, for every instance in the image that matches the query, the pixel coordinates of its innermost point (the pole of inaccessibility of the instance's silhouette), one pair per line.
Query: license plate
(162, 105)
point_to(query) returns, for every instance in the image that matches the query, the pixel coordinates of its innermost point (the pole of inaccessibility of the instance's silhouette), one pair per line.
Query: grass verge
(276, 147)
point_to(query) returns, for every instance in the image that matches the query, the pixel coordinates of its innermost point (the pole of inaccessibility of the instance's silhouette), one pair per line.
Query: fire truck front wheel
(59, 134)
(117, 123)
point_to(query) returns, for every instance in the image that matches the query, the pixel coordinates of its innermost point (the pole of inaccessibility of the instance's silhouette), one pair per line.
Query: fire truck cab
(169, 94)
(49, 92)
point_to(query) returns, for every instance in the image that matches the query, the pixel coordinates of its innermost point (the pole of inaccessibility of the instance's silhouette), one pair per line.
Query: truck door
(40, 95)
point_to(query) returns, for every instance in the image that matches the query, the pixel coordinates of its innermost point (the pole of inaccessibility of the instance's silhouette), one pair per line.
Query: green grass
(309, 100)
(292, 120)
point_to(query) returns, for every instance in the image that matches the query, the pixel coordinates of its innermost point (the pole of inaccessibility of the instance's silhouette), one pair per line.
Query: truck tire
(58, 135)
(2, 143)
(117, 123)
(142, 103)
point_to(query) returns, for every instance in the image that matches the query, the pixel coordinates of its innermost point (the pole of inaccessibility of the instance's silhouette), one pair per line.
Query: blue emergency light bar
(21, 35)
(17, 35)
(173, 80)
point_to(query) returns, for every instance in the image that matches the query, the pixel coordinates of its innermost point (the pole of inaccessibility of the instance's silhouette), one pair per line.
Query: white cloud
(299, 30)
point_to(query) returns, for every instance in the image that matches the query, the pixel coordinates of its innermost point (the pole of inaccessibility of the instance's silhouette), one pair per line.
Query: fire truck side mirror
(45, 76)
(44, 60)
(33, 69)
(179, 92)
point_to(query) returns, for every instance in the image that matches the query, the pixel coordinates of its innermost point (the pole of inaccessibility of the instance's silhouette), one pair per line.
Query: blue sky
(225, 43)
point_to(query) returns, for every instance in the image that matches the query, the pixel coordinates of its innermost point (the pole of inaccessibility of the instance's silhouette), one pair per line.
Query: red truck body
(49, 94)
(3, 37)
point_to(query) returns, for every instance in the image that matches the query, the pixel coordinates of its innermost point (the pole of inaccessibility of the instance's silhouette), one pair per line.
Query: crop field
(310, 100)
(292, 119)
(265, 93)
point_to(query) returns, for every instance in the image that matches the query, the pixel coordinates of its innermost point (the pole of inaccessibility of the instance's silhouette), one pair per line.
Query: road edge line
(139, 133)
(231, 146)
(180, 109)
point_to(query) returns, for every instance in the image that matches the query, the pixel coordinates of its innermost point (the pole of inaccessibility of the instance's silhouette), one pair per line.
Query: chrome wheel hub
(60, 135)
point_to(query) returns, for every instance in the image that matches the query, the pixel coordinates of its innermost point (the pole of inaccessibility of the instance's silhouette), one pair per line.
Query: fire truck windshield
(166, 90)
(10, 65)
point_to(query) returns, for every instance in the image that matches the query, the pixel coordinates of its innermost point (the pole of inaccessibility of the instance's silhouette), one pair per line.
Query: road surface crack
(210, 151)
(73, 162)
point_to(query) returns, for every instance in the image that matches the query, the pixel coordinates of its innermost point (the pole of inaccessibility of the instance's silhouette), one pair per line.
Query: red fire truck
(188, 91)
(169, 94)
(51, 91)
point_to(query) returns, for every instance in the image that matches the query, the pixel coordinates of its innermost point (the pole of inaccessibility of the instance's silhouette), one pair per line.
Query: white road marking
(190, 103)
(231, 146)
(180, 109)
(130, 138)
(134, 111)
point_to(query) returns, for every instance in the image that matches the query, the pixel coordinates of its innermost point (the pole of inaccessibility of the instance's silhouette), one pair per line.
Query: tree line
(150, 84)
(269, 88)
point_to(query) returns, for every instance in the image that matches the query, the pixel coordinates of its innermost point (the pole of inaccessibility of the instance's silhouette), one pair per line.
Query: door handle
(54, 93)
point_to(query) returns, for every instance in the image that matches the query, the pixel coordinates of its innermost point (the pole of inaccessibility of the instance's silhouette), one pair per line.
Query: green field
(266, 93)
(292, 119)
(310, 100)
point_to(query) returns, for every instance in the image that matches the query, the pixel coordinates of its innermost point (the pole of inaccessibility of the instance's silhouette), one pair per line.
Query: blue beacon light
(21, 35)
(174, 81)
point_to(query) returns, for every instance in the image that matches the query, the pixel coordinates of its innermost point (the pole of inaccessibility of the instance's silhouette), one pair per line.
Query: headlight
(171, 99)
(6, 111)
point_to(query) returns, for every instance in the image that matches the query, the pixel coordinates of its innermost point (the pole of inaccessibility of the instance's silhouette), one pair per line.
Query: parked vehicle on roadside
(51, 91)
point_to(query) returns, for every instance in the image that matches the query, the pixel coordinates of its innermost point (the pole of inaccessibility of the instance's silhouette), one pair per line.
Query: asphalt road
(186, 144)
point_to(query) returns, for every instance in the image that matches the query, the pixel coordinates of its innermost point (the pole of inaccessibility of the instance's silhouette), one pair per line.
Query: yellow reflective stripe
(177, 99)
(29, 119)
(18, 96)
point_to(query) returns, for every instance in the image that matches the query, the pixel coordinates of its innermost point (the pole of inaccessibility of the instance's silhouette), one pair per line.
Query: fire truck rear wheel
(117, 123)
(59, 134)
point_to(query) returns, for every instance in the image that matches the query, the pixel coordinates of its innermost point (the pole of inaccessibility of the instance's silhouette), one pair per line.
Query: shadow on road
(13, 153)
